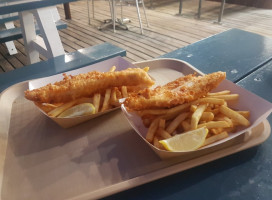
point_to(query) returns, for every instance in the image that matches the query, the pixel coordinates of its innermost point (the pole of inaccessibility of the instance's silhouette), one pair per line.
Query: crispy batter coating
(184, 89)
(84, 85)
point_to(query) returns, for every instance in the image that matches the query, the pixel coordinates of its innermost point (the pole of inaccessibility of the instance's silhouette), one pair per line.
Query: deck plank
(5, 65)
(13, 60)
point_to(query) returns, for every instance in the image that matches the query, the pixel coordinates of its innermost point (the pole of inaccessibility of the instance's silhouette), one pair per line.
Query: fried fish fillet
(184, 89)
(84, 85)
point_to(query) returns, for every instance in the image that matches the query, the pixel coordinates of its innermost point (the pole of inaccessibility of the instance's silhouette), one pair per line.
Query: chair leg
(180, 7)
(110, 8)
(199, 9)
(221, 11)
(139, 16)
(93, 8)
(145, 13)
(151, 4)
(121, 10)
(89, 14)
(88, 9)
(113, 14)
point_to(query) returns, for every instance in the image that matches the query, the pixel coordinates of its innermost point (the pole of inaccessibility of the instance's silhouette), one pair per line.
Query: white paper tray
(40, 160)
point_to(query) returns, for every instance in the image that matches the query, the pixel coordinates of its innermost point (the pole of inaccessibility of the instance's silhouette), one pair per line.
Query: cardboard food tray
(257, 113)
(41, 160)
(104, 66)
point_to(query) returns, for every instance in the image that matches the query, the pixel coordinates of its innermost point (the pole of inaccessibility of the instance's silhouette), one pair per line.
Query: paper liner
(103, 66)
(259, 110)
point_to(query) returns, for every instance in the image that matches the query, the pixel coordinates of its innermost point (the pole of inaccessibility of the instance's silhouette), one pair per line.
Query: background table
(50, 44)
(10, 6)
(236, 52)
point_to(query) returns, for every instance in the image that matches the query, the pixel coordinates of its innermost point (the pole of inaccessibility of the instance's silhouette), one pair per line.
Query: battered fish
(184, 89)
(85, 85)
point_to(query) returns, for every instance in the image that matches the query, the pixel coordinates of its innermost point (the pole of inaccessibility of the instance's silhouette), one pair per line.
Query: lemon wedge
(188, 141)
(79, 110)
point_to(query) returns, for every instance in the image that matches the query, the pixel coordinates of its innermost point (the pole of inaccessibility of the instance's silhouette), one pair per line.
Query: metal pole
(93, 7)
(221, 11)
(139, 16)
(145, 13)
(113, 14)
(67, 11)
(89, 20)
(199, 9)
(180, 7)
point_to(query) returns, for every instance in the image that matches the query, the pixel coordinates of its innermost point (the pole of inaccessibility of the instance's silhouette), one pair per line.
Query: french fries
(96, 102)
(211, 112)
(47, 107)
(207, 116)
(228, 97)
(112, 69)
(240, 119)
(62, 108)
(197, 115)
(106, 102)
(101, 101)
(219, 93)
(174, 124)
(152, 130)
(124, 91)
(216, 138)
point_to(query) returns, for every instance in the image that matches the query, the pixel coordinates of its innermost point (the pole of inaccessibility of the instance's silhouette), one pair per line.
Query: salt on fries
(101, 101)
(211, 112)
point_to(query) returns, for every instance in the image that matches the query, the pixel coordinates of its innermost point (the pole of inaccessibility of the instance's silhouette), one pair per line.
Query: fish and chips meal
(89, 93)
(184, 115)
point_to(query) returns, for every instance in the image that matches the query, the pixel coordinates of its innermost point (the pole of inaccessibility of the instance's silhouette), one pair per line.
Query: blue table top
(11, 6)
(260, 82)
(235, 51)
(245, 175)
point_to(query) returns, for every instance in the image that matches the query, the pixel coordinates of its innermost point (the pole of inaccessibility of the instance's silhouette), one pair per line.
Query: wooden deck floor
(167, 32)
